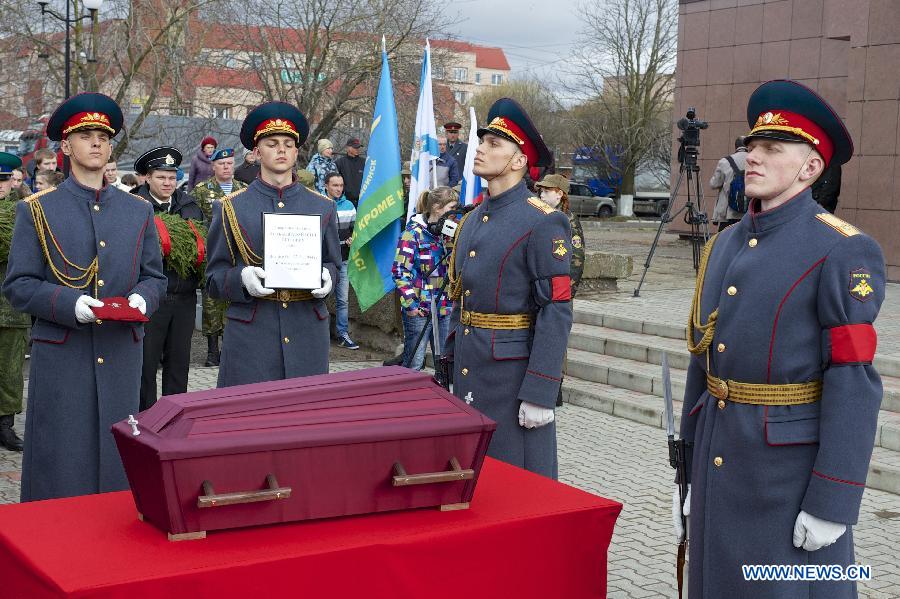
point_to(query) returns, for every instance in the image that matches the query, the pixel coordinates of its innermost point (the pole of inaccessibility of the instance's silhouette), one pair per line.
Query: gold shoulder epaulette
(541, 206)
(136, 196)
(38, 194)
(842, 227)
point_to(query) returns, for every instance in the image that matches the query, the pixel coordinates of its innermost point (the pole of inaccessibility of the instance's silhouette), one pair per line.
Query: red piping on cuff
(544, 376)
(838, 480)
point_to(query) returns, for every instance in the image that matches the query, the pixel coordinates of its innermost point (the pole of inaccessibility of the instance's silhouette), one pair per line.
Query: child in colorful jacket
(421, 248)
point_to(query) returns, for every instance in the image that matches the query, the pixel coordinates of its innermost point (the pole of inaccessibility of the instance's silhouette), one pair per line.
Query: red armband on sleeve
(853, 343)
(562, 288)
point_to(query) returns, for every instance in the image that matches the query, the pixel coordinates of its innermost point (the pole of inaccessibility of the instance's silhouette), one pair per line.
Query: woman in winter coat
(322, 163)
(201, 167)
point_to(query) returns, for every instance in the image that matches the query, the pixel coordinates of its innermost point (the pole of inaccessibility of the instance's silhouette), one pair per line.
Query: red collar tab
(791, 122)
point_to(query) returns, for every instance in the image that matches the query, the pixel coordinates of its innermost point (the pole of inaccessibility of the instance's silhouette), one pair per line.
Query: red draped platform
(524, 536)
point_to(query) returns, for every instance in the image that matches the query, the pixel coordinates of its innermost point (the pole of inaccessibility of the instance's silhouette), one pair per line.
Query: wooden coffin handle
(402, 479)
(273, 493)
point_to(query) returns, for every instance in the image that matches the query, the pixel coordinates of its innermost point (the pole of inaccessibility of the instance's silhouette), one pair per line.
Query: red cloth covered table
(524, 536)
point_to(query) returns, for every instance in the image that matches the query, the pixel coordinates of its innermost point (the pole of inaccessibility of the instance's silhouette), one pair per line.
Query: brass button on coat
(465, 371)
(96, 207)
(752, 243)
(465, 331)
(718, 461)
(99, 360)
(286, 340)
(721, 347)
(281, 204)
(284, 304)
(721, 404)
(468, 292)
(100, 283)
(484, 218)
(102, 243)
(732, 290)
(472, 254)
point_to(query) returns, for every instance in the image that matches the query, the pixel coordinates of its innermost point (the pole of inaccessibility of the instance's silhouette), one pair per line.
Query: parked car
(652, 203)
(583, 202)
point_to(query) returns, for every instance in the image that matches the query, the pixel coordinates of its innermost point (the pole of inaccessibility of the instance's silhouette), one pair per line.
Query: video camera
(690, 139)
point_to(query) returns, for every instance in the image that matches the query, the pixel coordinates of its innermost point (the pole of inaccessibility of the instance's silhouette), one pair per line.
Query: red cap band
(790, 122)
(276, 126)
(509, 128)
(87, 120)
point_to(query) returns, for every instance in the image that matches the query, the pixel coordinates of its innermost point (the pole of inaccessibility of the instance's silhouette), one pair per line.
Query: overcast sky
(537, 36)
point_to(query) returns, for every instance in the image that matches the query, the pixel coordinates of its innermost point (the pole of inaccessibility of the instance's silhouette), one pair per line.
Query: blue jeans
(412, 328)
(341, 296)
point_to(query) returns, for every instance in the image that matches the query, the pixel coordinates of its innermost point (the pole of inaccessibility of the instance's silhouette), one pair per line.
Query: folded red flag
(117, 308)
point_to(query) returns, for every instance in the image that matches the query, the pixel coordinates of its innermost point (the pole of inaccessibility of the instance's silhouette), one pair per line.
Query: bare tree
(538, 100)
(626, 61)
(324, 56)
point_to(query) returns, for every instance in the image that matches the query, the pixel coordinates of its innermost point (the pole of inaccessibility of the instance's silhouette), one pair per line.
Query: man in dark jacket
(168, 334)
(351, 166)
(249, 169)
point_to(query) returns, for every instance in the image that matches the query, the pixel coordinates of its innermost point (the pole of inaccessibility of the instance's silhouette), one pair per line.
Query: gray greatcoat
(513, 258)
(783, 281)
(83, 377)
(269, 340)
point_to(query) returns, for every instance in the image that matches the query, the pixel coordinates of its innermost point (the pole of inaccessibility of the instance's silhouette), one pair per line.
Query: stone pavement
(642, 555)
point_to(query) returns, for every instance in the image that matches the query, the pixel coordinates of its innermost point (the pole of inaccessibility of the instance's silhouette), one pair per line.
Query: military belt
(495, 321)
(764, 395)
(289, 295)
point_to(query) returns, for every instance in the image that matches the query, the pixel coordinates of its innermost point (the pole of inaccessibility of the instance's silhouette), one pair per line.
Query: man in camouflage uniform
(13, 332)
(215, 188)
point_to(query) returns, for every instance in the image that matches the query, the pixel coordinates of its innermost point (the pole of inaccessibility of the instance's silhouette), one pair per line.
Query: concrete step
(593, 313)
(623, 373)
(884, 469)
(645, 347)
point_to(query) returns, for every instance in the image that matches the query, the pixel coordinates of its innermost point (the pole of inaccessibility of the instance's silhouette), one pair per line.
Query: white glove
(83, 312)
(326, 287)
(677, 510)
(814, 533)
(252, 278)
(534, 416)
(136, 301)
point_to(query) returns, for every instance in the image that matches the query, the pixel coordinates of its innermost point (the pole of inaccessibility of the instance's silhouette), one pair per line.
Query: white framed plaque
(292, 250)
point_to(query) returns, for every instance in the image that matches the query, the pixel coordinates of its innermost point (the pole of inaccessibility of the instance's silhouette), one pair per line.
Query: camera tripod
(696, 218)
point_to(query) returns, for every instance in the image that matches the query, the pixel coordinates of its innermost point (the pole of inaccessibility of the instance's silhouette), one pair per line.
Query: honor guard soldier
(510, 285)
(215, 188)
(272, 334)
(781, 402)
(13, 328)
(455, 148)
(168, 334)
(73, 246)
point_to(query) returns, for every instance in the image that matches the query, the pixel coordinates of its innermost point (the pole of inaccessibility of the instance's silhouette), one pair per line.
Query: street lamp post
(93, 6)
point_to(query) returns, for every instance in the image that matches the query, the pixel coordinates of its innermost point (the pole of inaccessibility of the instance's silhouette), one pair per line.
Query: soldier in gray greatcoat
(511, 288)
(272, 334)
(782, 400)
(72, 247)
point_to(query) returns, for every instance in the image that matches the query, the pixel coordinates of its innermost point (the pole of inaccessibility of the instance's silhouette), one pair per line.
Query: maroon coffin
(314, 447)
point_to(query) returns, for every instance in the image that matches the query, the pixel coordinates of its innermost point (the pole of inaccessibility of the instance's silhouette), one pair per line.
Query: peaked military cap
(452, 126)
(507, 119)
(789, 111)
(158, 159)
(88, 110)
(8, 162)
(223, 153)
(273, 118)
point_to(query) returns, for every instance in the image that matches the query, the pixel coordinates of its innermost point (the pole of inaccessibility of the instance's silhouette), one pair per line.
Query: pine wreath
(183, 246)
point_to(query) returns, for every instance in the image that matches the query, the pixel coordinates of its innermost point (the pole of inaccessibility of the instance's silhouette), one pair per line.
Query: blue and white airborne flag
(471, 184)
(425, 145)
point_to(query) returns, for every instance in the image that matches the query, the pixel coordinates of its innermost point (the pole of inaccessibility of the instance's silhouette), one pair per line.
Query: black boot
(8, 437)
(212, 350)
